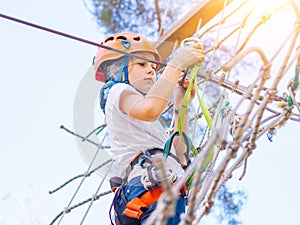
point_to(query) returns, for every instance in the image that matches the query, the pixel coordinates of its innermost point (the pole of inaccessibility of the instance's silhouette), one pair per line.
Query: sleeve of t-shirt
(114, 96)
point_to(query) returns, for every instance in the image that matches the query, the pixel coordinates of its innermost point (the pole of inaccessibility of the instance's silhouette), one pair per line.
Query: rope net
(245, 90)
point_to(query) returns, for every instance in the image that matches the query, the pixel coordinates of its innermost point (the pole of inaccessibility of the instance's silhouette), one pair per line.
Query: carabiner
(192, 40)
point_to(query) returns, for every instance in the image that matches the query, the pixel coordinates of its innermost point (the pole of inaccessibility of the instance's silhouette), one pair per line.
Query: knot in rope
(223, 144)
(272, 94)
(67, 210)
(253, 146)
(87, 174)
(233, 149)
(235, 85)
(248, 148)
(209, 72)
(95, 197)
(207, 206)
(222, 79)
(188, 220)
(266, 71)
(265, 18)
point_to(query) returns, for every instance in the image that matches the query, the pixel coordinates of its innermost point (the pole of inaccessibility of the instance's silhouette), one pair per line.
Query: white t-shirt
(129, 136)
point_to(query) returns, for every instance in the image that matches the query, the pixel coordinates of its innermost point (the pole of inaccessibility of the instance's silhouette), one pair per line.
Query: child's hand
(187, 55)
(180, 92)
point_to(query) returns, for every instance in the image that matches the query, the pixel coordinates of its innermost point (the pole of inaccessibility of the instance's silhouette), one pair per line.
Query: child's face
(141, 73)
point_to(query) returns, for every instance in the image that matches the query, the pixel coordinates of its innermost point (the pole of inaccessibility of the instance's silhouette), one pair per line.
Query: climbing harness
(144, 161)
(129, 211)
(133, 197)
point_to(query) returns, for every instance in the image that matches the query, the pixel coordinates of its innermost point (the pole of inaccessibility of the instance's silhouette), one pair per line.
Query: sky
(40, 78)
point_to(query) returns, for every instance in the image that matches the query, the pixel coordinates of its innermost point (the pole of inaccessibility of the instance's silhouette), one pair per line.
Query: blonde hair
(112, 68)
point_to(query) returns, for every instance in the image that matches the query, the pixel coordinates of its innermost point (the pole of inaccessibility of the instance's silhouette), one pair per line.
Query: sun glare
(269, 6)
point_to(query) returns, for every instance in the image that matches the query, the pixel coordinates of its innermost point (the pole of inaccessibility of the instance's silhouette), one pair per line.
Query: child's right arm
(150, 107)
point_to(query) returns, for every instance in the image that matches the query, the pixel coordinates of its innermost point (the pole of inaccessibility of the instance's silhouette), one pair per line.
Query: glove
(185, 56)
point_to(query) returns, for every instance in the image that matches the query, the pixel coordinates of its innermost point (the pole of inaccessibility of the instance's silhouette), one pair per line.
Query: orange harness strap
(134, 207)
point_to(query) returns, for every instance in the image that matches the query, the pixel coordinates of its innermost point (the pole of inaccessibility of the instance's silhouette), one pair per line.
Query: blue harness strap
(187, 142)
(123, 68)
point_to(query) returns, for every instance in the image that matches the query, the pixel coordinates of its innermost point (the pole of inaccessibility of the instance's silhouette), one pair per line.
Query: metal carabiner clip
(189, 41)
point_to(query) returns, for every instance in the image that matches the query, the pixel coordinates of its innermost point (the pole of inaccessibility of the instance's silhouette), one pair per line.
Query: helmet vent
(109, 39)
(121, 38)
(137, 38)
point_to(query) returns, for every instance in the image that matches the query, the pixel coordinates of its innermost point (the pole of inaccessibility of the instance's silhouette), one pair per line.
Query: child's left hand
(180, 92)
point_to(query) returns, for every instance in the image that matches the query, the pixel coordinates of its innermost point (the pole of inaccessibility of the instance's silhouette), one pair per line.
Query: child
(133, 100)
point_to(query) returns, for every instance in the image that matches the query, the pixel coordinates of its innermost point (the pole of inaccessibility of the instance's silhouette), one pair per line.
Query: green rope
(183, 112)
(294, 87)
(296, 79)
(226, 107)
(290, 102)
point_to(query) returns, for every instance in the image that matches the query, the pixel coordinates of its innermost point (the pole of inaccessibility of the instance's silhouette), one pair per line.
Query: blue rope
(187, 142)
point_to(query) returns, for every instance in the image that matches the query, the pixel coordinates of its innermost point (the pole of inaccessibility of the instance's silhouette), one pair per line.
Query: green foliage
(139, 16)
(228, 206)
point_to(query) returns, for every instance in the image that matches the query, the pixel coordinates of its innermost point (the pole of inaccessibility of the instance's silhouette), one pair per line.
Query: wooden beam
(187, 26)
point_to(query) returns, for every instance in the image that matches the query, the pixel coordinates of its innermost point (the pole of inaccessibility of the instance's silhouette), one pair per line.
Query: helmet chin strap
(108, 85)
(124, 68)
